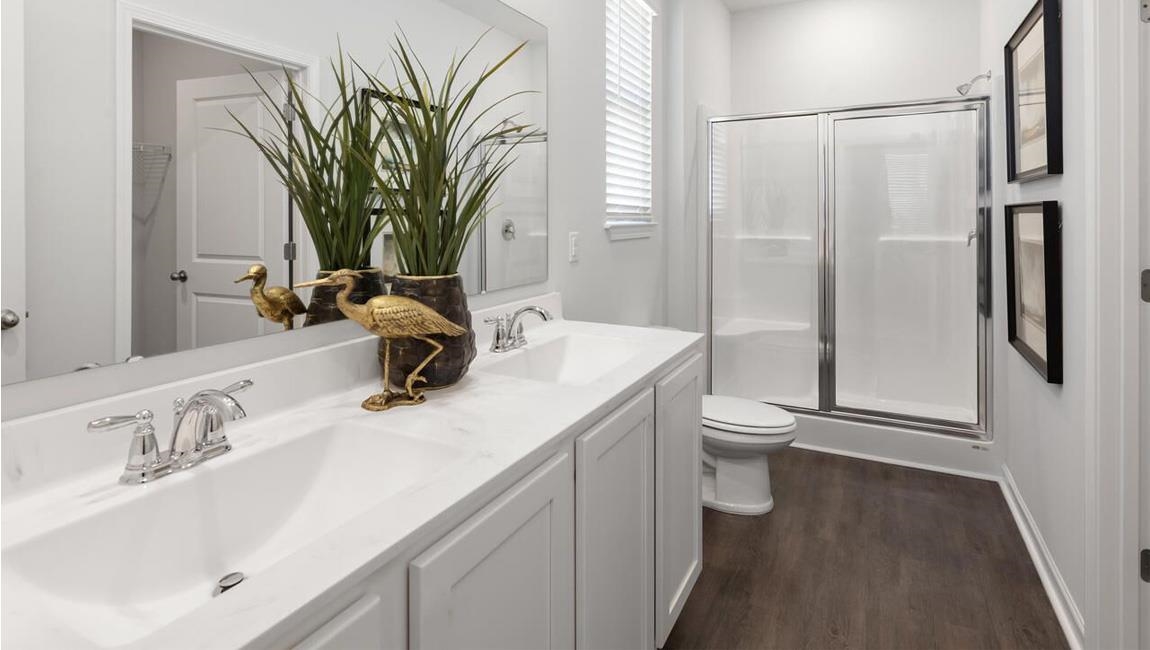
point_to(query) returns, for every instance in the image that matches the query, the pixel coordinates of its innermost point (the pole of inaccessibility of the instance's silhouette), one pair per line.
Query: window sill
(623, 229)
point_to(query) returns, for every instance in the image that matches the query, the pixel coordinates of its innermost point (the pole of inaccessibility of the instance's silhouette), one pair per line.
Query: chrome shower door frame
(828, 406)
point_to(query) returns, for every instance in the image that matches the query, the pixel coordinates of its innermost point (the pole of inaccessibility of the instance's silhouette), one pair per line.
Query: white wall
(158, 63)
(622, 281)
(829, 53)
(698, 85)
(1043, 427)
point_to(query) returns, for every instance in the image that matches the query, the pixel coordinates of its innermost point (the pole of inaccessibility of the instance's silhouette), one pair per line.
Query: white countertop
(505, 425)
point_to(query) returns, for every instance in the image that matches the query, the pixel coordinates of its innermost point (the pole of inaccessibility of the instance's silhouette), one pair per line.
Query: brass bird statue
(277, 304)
(391, 317)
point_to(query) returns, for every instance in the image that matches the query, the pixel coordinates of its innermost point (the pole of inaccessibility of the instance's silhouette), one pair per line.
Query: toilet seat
(738, 415)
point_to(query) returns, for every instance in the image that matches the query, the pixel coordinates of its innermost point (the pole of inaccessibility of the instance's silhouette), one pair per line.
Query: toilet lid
(745, 415)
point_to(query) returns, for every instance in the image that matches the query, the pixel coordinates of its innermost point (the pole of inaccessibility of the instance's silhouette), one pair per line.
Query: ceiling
(742, 5)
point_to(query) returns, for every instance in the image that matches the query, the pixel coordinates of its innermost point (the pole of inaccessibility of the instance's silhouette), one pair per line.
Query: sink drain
(227, 582)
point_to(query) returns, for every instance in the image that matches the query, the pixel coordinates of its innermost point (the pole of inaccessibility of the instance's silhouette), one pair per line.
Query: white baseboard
(898, 446)
(1069, 616)
(942, 469)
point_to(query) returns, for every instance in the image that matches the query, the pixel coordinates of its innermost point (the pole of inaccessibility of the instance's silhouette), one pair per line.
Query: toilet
(738, 434)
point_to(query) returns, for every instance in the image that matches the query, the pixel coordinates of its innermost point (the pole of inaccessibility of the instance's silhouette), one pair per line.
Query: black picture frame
(1048, 12)
(1022, 254)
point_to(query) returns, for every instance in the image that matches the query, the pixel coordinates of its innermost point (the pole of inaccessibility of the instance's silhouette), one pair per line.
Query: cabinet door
(614, 529)
(678, 495)
(504, 578)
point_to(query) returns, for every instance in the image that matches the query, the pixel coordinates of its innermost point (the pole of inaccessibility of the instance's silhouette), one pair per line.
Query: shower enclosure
(849, 257)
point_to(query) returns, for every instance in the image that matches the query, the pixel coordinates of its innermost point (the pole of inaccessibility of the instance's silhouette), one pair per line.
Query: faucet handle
(231, 389)
(141, 419)
(143, 454)
(502, 331)
(238, 387)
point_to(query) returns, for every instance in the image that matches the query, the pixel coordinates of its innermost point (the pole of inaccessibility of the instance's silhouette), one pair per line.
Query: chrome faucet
(198, 426)
(197, 434)
(509, 330)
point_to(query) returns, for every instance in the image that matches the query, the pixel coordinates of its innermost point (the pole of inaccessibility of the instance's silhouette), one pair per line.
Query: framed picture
(1034, 285)
(1034, 95)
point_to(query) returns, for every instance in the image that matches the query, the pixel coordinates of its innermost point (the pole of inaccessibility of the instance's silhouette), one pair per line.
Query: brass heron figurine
(391, 317)
(277, 304)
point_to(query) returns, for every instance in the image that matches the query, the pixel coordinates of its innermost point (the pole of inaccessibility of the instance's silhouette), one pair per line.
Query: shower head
(963, 89)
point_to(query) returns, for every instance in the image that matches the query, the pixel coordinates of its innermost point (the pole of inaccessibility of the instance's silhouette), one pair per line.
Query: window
(629, 168)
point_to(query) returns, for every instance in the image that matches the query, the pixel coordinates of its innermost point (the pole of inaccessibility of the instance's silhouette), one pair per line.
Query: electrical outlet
(573, 247)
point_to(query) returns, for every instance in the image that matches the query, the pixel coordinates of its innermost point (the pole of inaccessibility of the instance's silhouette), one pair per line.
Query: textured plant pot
(322, 308)
(444, 294)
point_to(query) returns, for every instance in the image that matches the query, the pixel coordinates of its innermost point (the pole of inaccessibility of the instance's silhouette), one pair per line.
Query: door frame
(1112, 70)
(14, 208)
(212, 280)
(129, 18)
(982, 430)
(828, 388)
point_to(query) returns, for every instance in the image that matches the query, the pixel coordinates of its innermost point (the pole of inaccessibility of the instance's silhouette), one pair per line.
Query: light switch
(573, 247)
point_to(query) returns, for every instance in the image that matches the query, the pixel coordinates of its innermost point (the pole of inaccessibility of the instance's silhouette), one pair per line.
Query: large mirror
(142, 208)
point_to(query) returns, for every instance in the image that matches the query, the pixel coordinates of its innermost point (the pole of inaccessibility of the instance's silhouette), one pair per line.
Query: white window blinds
(629, 110)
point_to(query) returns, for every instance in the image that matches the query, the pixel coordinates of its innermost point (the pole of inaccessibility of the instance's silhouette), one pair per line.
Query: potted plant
(434, 187)
(325, 159)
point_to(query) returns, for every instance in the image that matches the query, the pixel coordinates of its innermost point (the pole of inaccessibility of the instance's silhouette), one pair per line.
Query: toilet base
(739, 508)
(738, 486)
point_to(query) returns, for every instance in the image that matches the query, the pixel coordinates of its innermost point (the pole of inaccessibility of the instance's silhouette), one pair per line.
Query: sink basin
(116, 576)
(573, 359)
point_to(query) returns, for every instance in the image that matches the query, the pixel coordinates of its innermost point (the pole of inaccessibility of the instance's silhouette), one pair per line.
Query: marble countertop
(504, 425)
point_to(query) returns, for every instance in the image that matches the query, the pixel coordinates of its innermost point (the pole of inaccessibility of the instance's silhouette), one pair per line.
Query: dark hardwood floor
(859, 554)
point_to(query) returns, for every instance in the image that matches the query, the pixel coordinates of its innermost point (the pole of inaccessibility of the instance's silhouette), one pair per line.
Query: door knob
(9, 319)
(178, 276)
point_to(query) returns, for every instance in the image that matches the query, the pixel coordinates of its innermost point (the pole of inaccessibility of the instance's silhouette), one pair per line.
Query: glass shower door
(765, 207)
(904, 310)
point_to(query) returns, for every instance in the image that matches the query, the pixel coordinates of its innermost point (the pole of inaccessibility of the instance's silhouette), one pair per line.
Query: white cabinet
(505, 577)
(678, 493)
(598, 547)
(614, 524)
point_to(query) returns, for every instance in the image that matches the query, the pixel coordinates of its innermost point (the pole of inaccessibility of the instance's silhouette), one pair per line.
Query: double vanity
(549, 500)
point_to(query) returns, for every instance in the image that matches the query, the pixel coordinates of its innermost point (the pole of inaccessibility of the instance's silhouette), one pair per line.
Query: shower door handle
(970, 237)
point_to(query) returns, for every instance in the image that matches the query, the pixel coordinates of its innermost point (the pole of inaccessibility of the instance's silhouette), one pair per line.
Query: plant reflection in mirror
(441, 168)
(325, 156)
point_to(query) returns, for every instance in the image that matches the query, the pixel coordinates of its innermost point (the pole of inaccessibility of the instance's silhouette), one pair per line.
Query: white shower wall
(765, 284)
